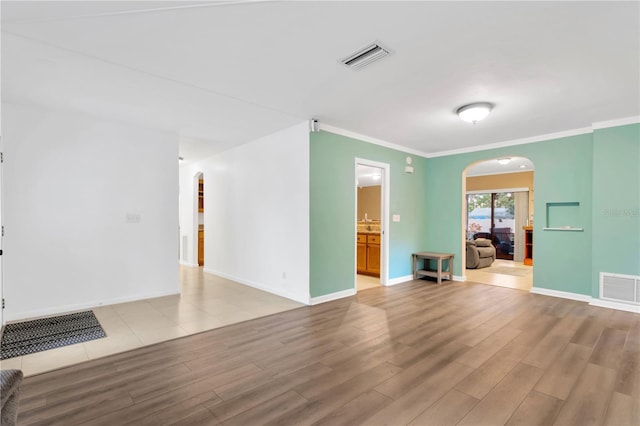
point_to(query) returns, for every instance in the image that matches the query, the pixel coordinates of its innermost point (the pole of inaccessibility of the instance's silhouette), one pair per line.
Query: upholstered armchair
(480, 253)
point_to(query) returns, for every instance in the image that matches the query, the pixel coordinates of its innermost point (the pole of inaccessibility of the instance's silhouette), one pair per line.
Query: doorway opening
(498, 222)
(199, 222)
(371, 243)
(490, 215)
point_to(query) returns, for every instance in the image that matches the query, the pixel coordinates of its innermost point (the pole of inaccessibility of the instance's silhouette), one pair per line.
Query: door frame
(385, 188)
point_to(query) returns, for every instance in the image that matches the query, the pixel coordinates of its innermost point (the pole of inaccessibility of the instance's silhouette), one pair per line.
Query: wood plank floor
(417, 353)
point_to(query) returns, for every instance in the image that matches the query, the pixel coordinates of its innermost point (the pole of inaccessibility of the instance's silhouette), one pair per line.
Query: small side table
(439, 273)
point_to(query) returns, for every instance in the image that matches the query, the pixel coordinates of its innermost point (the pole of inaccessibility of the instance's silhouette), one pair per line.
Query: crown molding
(337, 130)
(514, 142)
(616, 123)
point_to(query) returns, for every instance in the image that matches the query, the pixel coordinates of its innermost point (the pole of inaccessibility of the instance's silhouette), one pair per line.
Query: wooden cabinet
(200, 196)
(361, 265)
(528, 245)
(201, 246)
(368, 254)
(362, 258)
(373, 254)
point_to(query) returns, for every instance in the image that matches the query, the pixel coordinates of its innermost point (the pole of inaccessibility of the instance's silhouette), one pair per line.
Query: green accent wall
(596, 174)
(563, 173)
(333, 210)
(616, 202)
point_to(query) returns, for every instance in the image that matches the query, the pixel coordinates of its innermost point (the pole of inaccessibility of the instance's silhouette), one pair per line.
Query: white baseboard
(594, 301)
(561, 294)
(190, 265)
(61, 310)
(256, 285)
(399, 280)
(615, 305)
(459, 278)
(333, 296)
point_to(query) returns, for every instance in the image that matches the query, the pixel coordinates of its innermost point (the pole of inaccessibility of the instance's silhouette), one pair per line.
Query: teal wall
(616, 202)
(333, 210)
(563, 173)
(598, 170)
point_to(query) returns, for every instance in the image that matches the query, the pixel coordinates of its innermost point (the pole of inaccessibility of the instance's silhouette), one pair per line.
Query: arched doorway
(498, 222)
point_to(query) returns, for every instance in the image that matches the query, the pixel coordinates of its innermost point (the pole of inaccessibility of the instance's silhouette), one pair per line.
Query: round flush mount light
(472, 113)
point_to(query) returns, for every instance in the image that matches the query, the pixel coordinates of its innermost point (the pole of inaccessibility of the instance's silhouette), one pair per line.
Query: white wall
(70, 181)
(256, 213)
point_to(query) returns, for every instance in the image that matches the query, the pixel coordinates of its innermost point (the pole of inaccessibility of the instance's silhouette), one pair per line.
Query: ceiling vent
(365, 56)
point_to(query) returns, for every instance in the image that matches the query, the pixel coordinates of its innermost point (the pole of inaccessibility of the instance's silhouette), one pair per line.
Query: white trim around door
(385, 189)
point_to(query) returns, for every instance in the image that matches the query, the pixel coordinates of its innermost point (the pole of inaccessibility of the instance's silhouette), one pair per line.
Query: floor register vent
(620, 288)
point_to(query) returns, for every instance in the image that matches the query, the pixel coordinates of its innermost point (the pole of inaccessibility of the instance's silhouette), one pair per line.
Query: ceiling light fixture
(504, 160)
(472, 113)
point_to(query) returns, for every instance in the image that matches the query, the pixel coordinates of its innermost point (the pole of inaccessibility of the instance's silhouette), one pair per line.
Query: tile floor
(502, 280)
(206, 302)
(364, 282)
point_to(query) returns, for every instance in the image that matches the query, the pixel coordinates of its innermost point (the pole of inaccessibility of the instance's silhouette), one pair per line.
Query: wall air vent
(620, 288)
(365, 56)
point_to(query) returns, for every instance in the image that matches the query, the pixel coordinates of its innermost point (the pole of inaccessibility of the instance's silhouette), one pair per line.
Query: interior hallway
(206, 302)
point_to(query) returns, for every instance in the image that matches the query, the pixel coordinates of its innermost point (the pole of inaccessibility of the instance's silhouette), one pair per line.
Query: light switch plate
(133, 217)
(395, 218)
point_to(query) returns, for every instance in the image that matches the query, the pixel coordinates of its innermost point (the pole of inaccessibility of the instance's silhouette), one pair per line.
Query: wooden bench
(438, 273)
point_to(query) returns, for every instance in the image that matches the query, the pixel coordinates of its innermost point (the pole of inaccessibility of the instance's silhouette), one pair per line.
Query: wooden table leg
(440, 270)
(415, 274)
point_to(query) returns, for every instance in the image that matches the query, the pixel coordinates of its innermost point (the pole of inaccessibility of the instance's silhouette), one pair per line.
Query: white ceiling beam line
(207, 4)
(157, 76)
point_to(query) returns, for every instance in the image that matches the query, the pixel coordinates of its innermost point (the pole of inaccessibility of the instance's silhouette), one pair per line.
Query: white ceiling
(368, 175)
(492, 167)
(223, 73)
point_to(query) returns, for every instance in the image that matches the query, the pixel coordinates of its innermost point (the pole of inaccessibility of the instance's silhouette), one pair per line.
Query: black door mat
(23, 338)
